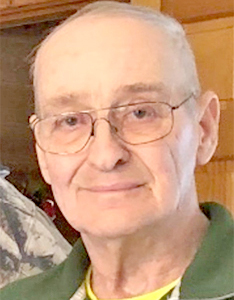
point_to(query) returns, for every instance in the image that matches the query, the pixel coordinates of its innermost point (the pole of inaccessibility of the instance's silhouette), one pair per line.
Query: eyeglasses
(134, 123)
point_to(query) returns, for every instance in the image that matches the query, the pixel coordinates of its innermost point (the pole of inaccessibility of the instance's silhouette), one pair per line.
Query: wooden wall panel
(33, 11)
(215, 182)
(4, 3)
(191, 10)
(28, 2)
(155, 4)
(225, 147)
(213, 45)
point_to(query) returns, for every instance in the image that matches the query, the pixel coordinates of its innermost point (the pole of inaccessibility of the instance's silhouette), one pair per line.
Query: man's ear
(208, 118)
(42, 161)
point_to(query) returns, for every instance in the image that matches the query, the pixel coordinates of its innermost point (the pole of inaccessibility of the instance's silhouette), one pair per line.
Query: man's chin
(116, 228)
(108, 231)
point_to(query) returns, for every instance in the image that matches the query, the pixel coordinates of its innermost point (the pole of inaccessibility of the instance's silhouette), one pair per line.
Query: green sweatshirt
(210, 276)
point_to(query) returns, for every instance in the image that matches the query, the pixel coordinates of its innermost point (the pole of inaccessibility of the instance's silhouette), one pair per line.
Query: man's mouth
(115, 187)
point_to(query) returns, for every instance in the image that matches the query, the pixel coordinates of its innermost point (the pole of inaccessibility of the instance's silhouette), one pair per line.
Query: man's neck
(143, 262)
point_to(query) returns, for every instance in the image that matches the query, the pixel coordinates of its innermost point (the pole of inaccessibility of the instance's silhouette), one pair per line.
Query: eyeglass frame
(113, 128)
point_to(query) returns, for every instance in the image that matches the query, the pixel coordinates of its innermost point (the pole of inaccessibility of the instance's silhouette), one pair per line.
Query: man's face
(111, 188)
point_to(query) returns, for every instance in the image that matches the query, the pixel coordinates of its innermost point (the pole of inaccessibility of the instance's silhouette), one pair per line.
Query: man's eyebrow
(124, 93)
(76, 100)
(72, 101)
(141, 87)
(67, 99)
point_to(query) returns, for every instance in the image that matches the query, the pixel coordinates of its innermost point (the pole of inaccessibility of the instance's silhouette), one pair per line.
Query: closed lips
(112, 187)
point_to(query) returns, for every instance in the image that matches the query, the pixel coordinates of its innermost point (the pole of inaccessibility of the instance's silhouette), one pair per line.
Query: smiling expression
(111, 188)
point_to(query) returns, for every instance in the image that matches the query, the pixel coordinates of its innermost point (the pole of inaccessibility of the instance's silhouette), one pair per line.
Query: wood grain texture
(188, 11)
(213, 45)
(215, 182)
(4, 4)
(33, 11)
(155, 4)
(28, 2)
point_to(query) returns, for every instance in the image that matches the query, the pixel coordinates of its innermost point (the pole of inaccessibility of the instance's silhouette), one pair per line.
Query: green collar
(211, 274)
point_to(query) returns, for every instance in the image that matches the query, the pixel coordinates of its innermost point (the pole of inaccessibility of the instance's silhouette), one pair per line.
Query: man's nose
(106, 150)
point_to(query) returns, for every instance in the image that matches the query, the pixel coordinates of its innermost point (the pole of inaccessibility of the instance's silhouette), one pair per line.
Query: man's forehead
(101, 54)
(102, 31)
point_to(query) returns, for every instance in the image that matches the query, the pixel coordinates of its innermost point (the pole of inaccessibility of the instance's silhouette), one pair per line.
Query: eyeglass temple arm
(188, 98)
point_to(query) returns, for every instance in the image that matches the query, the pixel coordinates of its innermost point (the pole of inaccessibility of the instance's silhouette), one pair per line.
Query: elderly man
(120, 125)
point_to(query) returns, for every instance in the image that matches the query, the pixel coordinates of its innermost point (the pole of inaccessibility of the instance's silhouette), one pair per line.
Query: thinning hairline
(168, 25)
(146, 15)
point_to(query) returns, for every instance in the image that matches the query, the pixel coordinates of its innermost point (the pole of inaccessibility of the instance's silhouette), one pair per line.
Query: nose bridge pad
(113, 128)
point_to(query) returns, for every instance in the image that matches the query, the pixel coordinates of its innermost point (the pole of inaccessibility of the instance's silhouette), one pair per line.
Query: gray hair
(167, 24)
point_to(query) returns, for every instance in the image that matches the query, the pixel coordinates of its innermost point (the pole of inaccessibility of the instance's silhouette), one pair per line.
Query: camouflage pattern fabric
(29, 241)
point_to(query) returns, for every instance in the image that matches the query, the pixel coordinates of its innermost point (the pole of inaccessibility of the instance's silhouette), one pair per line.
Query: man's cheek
(59, 170)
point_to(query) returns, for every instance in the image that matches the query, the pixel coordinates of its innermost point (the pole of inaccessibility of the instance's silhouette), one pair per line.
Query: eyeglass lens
(135, 124)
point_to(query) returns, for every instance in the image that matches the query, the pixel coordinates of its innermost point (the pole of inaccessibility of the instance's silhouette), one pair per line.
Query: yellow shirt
(155, 295)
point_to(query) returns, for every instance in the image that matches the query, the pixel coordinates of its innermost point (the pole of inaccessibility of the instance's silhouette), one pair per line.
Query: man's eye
(144, 112)
(71, 121)
(140, 113)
